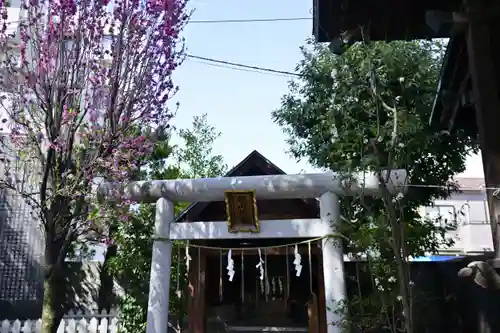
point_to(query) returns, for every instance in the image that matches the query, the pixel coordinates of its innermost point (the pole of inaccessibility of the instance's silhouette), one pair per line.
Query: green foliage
(196, 158)
(336, 123)
(368, 110)
(132, 264)
(132, 315)
(333, 121)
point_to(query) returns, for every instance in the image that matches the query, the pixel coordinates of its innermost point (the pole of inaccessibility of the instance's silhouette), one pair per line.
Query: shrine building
(282, 301)
(262, 252)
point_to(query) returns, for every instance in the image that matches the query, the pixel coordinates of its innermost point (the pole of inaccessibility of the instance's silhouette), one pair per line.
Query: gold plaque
(241, 210)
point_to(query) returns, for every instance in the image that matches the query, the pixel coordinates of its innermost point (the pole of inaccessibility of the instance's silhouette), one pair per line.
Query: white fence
(71, 323)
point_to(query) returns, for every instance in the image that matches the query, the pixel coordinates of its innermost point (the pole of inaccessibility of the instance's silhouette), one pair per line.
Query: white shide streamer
(230, 266)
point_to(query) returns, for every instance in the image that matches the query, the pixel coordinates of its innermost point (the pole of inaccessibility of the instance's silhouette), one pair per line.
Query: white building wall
(473, 233)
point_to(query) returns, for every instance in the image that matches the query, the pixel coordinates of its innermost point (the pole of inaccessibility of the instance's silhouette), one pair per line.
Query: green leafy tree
(195, 157)
(132, 263)
(368, 110)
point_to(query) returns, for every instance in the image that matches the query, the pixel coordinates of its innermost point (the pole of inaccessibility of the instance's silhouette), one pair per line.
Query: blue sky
(239, 103)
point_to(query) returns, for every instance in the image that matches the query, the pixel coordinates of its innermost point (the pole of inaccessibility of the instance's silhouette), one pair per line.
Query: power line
(284, 19)
(255, 68)
(238, 69)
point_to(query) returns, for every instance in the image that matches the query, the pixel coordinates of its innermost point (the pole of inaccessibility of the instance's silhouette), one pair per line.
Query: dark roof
(255, 164)
(383, 19)
(453, 107)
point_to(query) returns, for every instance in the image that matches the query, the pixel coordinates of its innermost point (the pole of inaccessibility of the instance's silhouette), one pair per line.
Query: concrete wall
(21, 255)
(82, 294)
(21, 266)
(473, 233)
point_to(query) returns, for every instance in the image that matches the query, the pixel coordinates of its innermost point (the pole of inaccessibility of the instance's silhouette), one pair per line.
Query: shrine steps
(224, 328)
(263, 329)
(274, 324)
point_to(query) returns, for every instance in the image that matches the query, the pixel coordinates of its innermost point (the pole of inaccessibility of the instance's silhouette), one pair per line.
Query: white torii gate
(325, 186)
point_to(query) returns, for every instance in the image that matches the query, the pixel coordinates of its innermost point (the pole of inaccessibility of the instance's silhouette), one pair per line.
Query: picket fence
(71, 323)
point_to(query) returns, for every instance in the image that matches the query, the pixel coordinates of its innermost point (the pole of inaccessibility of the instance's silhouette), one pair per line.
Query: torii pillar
(325, 186)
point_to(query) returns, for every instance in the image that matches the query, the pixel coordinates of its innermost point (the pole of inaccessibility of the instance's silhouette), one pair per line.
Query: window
(442, 214)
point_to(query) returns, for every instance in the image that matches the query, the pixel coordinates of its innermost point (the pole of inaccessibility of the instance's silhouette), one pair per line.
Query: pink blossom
(108, 241)
(89, 100)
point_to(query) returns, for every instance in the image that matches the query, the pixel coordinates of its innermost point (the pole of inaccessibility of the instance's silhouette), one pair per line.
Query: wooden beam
(296, 228)
(482, 44)
(196, 292)
(323, 326)
(447, 115)
(313, 320)
(462, 90)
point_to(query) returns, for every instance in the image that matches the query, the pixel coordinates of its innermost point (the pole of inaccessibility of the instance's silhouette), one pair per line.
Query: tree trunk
(51, 308)
(54, 285)
(400, 256)
(106, 297)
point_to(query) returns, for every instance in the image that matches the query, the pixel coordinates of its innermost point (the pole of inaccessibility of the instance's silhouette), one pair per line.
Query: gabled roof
(255, 164)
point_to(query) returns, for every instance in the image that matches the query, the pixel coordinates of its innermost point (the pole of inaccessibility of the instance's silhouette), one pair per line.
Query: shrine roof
(453, 105)
(384, 19)
(255, 164)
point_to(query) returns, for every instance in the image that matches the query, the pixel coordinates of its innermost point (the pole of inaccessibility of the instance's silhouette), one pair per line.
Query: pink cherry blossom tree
(85, 87)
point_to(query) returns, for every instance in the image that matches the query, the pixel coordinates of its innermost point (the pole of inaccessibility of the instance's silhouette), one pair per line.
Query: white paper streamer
(297, 261)
(280, 285)
(260, 265)
(188, 257)
(273, 285)
(230, 266)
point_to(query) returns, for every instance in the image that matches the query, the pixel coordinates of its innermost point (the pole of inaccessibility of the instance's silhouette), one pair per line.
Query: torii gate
(325, 186)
